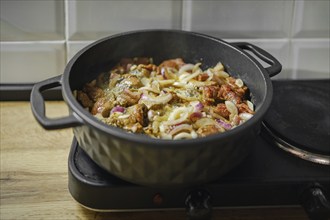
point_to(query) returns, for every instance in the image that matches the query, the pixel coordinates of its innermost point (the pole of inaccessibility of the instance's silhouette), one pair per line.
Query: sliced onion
(203, 122)
(143, 97)
(239, 83)
(245, 116)
(178, 115)
(186, 67)
(161, 99)
(199, 107)
(185, 79)
(222, 74)
(210, 73)
(151, 115)
(188, 94)
(179, 112)
(163, 72)
(182, 135)
(224, 124)
(149, 89)
(145, 81)
(196, 83)
(250, 105)
(180, 128)
(117, 109)
(231, 107)
(166, 136)
(219, 67)
(179, 84)
(183, 76)
(123, 116)
(193, 134)
(166, 82)
(155, 126)
(177, 121)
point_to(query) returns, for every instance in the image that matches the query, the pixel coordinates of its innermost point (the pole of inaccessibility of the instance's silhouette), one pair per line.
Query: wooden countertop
(34, 175)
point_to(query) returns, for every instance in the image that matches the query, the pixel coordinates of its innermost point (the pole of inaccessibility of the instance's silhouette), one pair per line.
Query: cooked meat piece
(145, 70)
(193, 117)
(231, 80)
(226, 93)
(142, 60)
(210, 92)
(128, 97)
(101, 79)
(236, 120)
(103, 106)
(134, 119)
(126, 63)
(131, 81)
(244, 108)
(216, 94)
(139, 113)
(207, 130)
(241, 92)
(202, 77)
(174, 63)
(148, 67)
(221, 110)
(232, 96)
(113, 79)
(93, 92)
(85, 101)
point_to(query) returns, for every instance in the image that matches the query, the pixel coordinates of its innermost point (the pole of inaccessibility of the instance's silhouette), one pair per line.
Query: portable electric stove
(288, 166)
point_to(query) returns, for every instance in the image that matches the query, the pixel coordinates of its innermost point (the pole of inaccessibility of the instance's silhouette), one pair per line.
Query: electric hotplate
(269, 176)
(299, 119)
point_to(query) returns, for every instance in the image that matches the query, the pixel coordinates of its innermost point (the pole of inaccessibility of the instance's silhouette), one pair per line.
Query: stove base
(269, 179)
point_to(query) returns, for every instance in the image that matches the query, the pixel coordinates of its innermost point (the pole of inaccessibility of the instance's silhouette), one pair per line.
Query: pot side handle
(275, 66)
(38, 107)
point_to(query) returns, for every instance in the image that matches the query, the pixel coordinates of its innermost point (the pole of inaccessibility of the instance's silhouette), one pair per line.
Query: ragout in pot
(174, 100)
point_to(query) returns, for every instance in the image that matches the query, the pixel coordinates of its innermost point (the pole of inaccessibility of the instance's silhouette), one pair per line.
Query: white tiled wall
(39, 37)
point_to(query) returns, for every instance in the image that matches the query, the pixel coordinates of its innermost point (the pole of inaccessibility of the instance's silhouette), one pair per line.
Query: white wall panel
(31, 20)
(311, 58)
(90, 20)
(239, 19)
(31, 62)
(74, 47)
(311, 19)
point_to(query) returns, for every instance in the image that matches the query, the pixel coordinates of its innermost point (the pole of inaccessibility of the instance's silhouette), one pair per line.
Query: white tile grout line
(298, 8)
(33, 42)
(186, 15)
(66, 28)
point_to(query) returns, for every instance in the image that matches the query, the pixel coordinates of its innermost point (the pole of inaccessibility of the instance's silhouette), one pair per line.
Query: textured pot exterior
(163, 166)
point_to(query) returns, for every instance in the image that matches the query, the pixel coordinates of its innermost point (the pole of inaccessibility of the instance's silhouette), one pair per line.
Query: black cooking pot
(157, 162)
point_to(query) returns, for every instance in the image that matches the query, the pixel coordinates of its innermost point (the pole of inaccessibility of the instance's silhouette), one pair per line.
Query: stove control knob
(315, 204)
(198, 206)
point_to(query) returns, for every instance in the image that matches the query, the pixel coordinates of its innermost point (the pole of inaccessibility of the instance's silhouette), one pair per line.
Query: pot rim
(90, 120)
